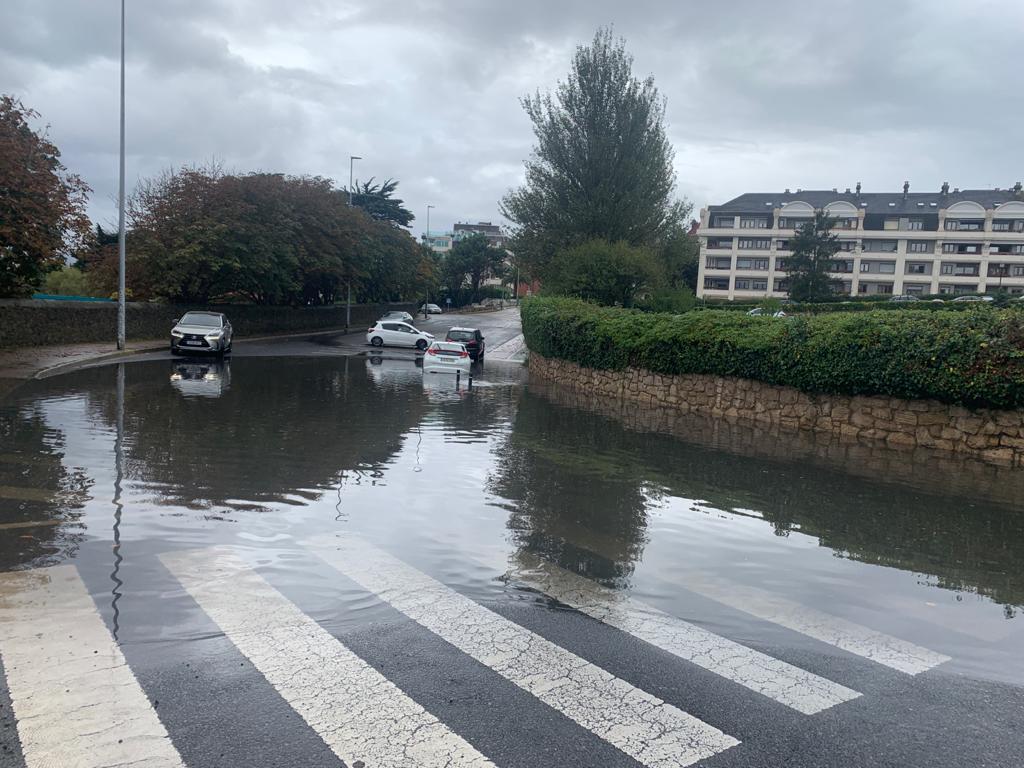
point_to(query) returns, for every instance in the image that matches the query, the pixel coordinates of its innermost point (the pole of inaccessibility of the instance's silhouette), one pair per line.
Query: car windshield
(461, 335)
(202, 319)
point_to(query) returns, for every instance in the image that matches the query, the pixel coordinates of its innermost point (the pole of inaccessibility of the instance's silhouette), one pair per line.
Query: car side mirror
(176, 321)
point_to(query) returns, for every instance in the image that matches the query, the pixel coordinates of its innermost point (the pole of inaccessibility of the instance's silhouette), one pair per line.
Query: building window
(753, 223)
(865, 266)
(725, 222)
(847, 246)
(887, 267)
(842, 266)
(759, 245)
(918, 268)
(791, 223)
(717, 262)
(720, 242)
(915, 289)
(716, 283)
(782, 286)
(891, 224)
(1017, 270)
(964, 270)
(782, 245)
(913, 225)
(961, 248)
(755, 264)
(759, 285)
(742, 284)
(961, 225)
(880, 246)
(919, 246)
(782, 265)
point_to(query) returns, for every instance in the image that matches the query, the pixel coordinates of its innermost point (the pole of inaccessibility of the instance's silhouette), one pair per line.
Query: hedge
(38, 323)
(968, 358)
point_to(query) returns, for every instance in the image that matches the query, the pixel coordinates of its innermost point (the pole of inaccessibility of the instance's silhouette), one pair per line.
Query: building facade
(492, 232)
(439, 242)
(946, 242)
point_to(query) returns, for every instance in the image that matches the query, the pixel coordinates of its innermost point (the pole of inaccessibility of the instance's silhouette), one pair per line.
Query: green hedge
(969, 358)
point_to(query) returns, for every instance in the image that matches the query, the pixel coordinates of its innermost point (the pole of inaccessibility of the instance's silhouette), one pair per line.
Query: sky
(760, 96)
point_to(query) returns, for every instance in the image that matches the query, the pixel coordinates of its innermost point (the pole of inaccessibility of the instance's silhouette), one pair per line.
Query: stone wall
(995, 437)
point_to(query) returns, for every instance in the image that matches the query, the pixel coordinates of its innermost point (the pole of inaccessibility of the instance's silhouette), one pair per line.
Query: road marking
(360, 714)
(646, 728)
(789, 685)
(841, 633)
(76, 701)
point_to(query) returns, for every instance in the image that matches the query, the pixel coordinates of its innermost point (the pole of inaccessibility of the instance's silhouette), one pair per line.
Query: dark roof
(877, 202)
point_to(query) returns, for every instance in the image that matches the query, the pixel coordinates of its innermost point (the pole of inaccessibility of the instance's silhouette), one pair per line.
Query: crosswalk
(78, 704)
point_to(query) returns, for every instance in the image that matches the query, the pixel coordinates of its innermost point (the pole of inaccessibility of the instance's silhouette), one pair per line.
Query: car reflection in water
(202, 379)
(398, 374)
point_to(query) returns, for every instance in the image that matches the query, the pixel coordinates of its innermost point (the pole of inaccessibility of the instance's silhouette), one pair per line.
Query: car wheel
(421, 345)
(377, 341)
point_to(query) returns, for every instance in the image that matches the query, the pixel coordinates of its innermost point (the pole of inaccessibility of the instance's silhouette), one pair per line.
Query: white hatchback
(447, 357)
(394, 333)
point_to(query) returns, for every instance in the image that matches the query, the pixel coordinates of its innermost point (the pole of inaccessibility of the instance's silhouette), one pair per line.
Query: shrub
(608, 273)
(970, 358)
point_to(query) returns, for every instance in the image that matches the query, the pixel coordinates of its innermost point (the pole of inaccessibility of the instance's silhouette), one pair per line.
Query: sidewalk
(27, 362)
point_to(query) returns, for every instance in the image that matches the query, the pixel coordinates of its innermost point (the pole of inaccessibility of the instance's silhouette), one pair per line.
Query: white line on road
(789, 685)
(358, 712)
(646, 728)
(76, 701)
(833, 630)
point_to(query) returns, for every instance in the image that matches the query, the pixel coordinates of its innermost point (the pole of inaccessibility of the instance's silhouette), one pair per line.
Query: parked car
(201, 332)
(431, 309)
(762, 312)
(903, 297)
(972, 297)
(398, 334)
(472, 338)
(446, 357)
(404, 317)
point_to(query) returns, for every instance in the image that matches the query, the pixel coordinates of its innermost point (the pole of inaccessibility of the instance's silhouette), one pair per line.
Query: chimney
(787, 190)
(847, 191)
(1017, 188)
(956, 190)
(836, 190)
(906, 189)
(945, 187)
(858, 189)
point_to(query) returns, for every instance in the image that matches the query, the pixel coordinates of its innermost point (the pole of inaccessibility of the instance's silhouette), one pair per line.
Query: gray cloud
(759, 97)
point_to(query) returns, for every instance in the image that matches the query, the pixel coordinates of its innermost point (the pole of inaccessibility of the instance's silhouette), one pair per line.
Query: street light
(1002, 271)
(348, 301)
(120, 211)
(426, 239)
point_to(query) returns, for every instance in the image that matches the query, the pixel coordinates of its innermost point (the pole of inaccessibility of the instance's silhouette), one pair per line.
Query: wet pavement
(305, 556)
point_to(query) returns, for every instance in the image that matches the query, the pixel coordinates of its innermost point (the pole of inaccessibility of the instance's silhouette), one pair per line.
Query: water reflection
(208, 378)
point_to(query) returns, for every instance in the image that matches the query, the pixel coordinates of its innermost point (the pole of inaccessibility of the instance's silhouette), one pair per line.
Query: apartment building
(491, 231)
(947, 242)
(439, 242)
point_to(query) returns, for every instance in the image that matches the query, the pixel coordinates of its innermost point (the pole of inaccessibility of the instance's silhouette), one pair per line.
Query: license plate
(194, 343)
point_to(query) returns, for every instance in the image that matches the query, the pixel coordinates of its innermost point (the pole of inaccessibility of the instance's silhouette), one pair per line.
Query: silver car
(201, 332)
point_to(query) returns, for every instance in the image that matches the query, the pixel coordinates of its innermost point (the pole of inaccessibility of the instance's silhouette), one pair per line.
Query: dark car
(472, 338)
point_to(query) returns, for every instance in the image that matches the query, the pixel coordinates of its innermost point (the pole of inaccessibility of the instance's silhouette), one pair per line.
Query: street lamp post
(120, 212)
(426, 239)
(1002, 271)
(348, 301)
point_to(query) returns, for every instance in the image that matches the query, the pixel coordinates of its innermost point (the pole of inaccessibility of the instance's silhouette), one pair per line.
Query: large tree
(472, 260)
(814, 247)
(379, 202)
(602, 164)
(42, 205)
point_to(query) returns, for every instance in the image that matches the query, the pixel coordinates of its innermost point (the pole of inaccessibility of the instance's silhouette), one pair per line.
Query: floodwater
(110, 467)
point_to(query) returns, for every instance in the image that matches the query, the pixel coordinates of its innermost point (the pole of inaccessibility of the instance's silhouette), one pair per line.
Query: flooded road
(768, 607)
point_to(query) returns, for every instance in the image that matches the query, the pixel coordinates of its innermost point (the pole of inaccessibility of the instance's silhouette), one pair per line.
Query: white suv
(394, 333)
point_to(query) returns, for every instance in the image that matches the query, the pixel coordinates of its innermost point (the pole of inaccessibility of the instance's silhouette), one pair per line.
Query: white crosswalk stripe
(76, 701)
(359, 714)
(789, 685)
(644, 727)
(833, 630)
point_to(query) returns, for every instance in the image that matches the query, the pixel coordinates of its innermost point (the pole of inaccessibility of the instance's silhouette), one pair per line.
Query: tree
(42, 205)
(471, 260)
(814, 247)
(378, 201)
(679, 254)
(602, 164)
(605, 273)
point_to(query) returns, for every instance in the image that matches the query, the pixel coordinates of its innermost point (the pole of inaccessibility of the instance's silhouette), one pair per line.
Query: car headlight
(214, 336)
(177, 334)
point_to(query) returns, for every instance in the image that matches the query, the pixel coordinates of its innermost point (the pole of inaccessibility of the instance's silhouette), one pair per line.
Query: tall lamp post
(1002, 271)
(120, 211)
(348, 302)
(426, 239)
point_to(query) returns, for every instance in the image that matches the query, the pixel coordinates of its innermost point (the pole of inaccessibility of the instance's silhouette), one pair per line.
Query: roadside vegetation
(971, 358)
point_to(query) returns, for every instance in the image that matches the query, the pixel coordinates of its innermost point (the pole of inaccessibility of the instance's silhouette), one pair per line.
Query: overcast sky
(761, 96)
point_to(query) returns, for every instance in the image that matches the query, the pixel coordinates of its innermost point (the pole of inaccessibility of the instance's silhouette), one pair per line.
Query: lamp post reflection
(118, 505)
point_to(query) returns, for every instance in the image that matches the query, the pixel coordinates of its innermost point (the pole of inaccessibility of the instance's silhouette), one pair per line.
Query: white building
(439, 242)
(969, 241)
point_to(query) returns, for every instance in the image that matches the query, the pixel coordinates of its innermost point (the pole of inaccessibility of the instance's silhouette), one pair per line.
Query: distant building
(969, 241)
(493, 232)
(439, 242)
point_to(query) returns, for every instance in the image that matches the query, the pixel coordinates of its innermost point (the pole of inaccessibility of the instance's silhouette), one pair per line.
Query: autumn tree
(42, 204)
(601, 167)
